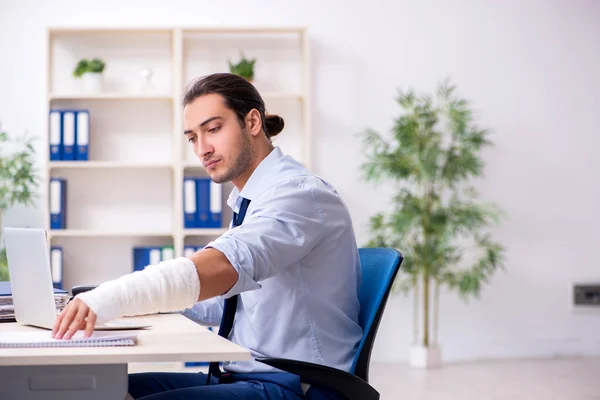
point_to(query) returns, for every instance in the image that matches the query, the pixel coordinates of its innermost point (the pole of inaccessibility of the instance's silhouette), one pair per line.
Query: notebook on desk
(44, 339)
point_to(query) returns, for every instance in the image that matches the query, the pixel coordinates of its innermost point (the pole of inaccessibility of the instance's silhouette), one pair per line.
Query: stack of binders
(151, 255)
(7, 309)
(58, 203)
(202, 203)
(69, 134)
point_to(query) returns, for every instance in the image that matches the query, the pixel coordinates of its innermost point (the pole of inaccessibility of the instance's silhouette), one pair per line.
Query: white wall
(532, 71)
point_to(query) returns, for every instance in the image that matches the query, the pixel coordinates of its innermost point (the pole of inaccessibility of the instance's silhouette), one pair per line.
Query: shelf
(101, 30)
(246, 30)
(109, 96)
(94, 233)
(105, 165)
(129, 30)
(130, 191)
(204, 232)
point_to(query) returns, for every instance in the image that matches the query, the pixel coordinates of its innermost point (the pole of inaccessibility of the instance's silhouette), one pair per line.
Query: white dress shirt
(298, 266)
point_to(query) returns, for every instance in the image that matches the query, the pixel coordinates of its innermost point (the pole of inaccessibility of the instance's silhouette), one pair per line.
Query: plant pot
(92, 82)
(425, 357)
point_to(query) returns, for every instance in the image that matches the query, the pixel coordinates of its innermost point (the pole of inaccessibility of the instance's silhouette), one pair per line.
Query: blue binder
(68, 136)
(82, 134)
(144, 256)
(189, 250)
(56, 265)
(55, 134)
(190, 207)
(58, 203)
(203, 202)
(215, 210)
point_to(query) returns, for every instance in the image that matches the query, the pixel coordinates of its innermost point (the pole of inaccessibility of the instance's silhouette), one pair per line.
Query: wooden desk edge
(164, 326)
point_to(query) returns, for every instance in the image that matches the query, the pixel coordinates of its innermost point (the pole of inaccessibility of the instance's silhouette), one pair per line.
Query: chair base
(347, 385)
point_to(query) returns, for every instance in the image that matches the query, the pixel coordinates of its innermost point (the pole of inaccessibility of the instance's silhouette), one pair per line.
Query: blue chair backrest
(379, 268)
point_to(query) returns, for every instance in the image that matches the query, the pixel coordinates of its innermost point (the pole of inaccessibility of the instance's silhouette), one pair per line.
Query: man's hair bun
(274, 125)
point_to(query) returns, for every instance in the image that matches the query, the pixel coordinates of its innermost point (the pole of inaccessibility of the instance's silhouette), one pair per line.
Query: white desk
(100, 373)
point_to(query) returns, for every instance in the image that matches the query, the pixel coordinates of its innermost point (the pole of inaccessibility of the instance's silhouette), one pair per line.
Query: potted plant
(91, 73)
(244, 68)
(432, 159)
(19, 181)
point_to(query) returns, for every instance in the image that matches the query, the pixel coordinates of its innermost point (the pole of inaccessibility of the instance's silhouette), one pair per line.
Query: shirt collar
(257, 181)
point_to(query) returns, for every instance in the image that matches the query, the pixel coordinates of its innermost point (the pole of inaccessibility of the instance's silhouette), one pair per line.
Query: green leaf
(4, 275)
(19, 179)
(84, 65)
(243, 68)
(96, 65)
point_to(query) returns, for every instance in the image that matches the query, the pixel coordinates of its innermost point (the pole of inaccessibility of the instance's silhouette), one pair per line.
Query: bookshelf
(130, 190)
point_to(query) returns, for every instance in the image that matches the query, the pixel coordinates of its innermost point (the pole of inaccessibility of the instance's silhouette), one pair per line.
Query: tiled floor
(547, 379)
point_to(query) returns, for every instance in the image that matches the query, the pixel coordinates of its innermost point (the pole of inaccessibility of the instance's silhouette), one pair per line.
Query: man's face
(217, 138)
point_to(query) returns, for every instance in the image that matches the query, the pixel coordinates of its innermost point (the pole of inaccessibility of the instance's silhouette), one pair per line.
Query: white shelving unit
(129, 193)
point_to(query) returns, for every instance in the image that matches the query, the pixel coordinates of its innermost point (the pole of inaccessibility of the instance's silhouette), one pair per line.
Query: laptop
(28, 259)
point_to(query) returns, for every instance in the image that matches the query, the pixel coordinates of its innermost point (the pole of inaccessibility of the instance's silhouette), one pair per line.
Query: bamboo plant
(432, 160)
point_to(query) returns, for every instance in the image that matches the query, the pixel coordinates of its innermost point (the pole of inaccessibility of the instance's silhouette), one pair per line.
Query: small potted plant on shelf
(91, 73)
(19, 181)
(244, 68)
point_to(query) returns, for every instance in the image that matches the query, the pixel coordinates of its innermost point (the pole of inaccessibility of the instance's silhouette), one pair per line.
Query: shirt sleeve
(282, 226)
(207, 312)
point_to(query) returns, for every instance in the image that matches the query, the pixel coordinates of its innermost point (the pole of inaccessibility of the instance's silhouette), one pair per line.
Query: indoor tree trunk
(426, 309)
(427, 267)
(417, 297)
(436, 311)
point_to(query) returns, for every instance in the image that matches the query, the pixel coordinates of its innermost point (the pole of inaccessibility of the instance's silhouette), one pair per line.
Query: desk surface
(172, 337)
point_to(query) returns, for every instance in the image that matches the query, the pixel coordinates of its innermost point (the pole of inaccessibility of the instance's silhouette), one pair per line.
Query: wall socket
(586, 295)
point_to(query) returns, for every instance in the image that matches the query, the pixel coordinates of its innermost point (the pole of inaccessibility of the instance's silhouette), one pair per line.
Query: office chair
(379, 268)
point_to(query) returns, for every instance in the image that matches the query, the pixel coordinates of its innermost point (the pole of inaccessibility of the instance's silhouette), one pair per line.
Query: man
(288, 268)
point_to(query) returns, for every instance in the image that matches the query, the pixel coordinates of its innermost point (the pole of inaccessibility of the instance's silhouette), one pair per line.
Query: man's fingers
(78, 320)
(66, 320)
(75, 316)
(59, 319)
(90, 324)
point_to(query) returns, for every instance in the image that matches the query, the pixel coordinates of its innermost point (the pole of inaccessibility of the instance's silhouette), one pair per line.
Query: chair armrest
(80, 289)
(348, 385)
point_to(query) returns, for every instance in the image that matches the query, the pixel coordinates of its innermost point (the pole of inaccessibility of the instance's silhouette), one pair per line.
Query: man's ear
(253, 122)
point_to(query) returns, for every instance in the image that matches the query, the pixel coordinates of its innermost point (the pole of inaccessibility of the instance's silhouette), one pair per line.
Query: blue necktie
(230, 304)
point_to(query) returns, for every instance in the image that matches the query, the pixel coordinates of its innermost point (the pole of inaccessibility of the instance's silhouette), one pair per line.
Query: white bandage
(171, 285)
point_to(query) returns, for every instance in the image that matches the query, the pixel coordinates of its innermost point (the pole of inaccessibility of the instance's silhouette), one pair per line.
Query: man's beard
(242, 162)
